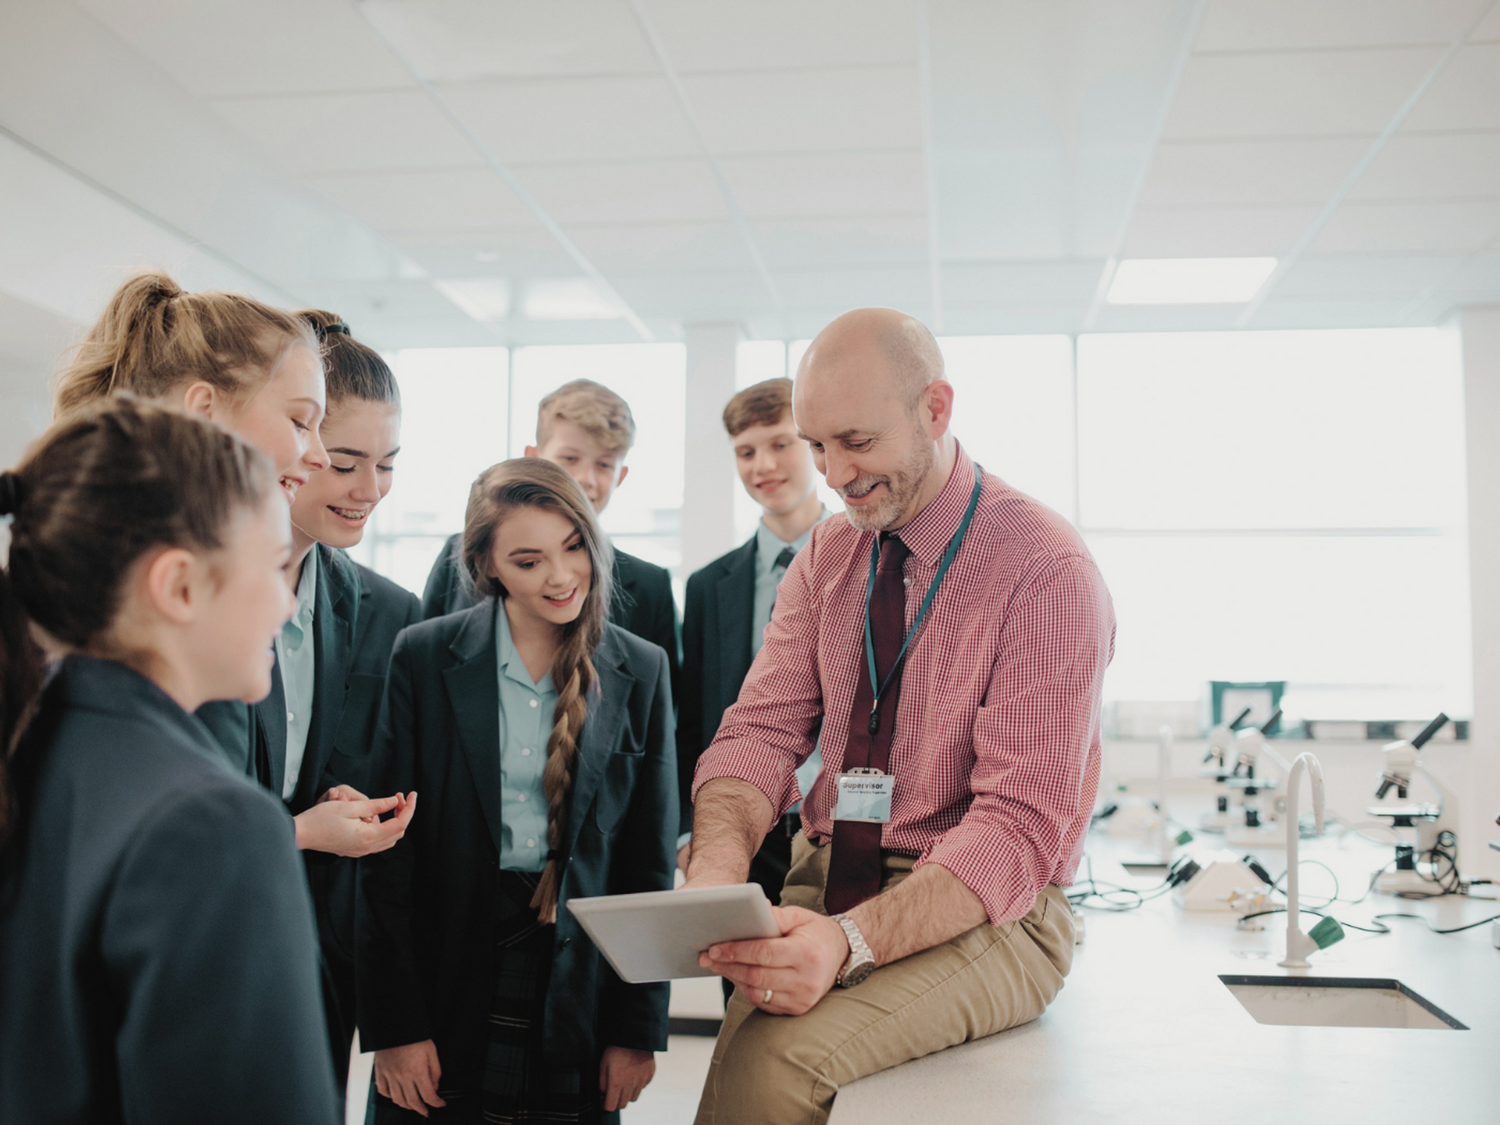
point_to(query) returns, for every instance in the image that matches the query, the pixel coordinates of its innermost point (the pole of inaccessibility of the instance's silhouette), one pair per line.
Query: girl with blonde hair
(540, 737)
(257, 372)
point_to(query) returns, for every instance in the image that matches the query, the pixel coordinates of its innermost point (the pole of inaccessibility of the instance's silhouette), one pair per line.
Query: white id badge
(864, 797)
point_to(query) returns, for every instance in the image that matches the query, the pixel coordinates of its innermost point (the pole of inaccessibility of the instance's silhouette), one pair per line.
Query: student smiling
(478, 991)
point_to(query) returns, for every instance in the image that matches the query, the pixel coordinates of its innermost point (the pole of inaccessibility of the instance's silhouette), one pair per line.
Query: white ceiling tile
(268, 47)
(1362, 228)
(808, 110)
(1434, 166)
(1216, 232)
(1335, 314)
(999, 283)
(1166, 318)
(516, 251)
(1478, 277)
(374, 131)
(646, 191)
(1489, 28)
(836, 184)
(1362, 277)
(890, 287)
(1200, 174)
(411, 202)
(1259, 25)
(1465, 96)
(575, 119)
(659, 247)
(456, 40)
(708, 295)
(771, 34)
(1019, 320)
(874, 240)
(1302, 93)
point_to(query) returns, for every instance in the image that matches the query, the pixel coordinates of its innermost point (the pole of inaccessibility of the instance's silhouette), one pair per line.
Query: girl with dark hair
(541, 739)
(157, 953)
(319, 718)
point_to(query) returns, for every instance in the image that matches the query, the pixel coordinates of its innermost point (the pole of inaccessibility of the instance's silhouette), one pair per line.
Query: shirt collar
(295, 630)
(768, 545)
(509, 660)
(931, 530)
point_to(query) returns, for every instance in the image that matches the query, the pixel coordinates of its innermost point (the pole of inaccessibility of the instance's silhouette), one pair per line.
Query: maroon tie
(854, 867)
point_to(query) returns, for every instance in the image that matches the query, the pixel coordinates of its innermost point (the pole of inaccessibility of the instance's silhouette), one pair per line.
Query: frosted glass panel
(1013, 410)
(1271, 429)
(1324, 610)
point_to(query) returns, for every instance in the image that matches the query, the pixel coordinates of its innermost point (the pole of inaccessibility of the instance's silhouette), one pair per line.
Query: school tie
(854, 867)
(783, 561)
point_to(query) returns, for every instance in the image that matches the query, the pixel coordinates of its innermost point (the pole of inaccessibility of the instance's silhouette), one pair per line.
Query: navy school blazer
(643, 602)
(157, 955)
(424, 941)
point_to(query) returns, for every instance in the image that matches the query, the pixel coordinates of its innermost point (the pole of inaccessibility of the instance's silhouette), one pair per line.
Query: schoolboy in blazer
(587, 430)
(729, 601)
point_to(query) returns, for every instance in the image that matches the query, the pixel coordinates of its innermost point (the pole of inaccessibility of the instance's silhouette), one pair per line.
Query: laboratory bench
(1144, 1029)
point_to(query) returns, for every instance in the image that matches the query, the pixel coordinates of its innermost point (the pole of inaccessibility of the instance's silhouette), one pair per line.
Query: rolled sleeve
(1035, 740)
(772, 728)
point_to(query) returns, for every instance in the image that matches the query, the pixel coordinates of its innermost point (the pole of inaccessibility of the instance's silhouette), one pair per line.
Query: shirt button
(533, 702)
(520, 796)
(290, 716)
(526, 752)
(531, 843)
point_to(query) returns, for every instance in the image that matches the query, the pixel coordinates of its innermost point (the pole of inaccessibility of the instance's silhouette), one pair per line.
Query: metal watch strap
(859, 949)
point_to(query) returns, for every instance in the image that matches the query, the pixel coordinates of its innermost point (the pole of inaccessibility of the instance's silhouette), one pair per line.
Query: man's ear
(937, 408)
(619, 480)
(531, 451)
(202, 399)
(172, 585)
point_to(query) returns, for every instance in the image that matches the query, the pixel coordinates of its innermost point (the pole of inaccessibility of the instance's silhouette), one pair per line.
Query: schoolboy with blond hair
(587, 430)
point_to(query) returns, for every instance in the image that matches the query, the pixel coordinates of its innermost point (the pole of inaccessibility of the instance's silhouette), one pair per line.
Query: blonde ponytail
(153, 338)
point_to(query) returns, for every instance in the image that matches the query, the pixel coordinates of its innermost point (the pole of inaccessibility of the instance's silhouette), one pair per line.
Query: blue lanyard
(937, 580)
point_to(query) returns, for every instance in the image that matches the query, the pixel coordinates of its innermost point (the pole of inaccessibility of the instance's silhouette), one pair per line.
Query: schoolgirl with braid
(540, 737)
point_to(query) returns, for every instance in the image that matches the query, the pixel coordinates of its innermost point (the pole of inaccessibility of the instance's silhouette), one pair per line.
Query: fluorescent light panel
(1188, 281)
(486, 299)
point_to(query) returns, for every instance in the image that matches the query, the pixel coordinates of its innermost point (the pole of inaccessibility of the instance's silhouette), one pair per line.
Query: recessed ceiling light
(486, 256)
(566, 298)
(1188, 281)
(484, 298)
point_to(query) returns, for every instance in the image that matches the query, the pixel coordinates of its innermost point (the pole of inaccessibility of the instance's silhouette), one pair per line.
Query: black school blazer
(643, 602)
(157, 959)
(423, 932)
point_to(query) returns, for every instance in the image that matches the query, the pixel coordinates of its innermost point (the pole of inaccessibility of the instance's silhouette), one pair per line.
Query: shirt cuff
(774, 779)
(999, 880)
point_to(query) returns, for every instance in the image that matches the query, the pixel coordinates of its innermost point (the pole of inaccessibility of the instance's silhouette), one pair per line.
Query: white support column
(1480, 327)
(709, 479)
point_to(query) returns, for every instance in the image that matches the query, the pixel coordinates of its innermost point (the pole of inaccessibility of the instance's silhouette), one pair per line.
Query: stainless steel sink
(1337, 1002)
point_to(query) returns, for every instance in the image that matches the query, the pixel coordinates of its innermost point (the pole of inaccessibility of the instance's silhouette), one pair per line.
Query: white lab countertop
(1145, 1031)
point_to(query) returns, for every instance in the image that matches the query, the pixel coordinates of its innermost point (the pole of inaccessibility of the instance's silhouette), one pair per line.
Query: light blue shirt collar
(768, 545)
(511, 664)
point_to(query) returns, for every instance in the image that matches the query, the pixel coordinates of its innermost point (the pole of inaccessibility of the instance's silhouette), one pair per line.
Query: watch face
(857, 973)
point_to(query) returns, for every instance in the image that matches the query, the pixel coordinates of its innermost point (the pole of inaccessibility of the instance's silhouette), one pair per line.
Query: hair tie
(554, 854)
(325, 329)
(12, 492)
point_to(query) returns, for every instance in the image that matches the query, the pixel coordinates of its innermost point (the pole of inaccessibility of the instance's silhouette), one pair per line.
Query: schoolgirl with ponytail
(540, 737)
(257, 372)
(157, 953)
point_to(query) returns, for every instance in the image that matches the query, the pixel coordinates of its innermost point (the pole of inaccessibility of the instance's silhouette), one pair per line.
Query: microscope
(1236, 750)
(1220, 763)
(1426, 833)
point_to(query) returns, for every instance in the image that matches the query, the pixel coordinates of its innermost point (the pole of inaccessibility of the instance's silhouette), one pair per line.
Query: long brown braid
(530, 482)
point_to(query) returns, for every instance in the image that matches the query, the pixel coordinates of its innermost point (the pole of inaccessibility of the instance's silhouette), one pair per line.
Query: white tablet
(657, 935)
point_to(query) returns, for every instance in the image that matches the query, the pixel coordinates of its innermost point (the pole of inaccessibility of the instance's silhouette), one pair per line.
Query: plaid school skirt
(521, 1082)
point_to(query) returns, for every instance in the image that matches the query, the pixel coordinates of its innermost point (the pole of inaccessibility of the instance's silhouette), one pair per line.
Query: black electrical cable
(1382, 927)
(1276, 886)
(1082, 893)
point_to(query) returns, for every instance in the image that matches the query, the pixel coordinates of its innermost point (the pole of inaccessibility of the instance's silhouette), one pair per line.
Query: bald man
(924, 906)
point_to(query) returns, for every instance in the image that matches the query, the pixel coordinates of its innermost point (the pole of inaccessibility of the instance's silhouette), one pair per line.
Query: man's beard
(901, 491)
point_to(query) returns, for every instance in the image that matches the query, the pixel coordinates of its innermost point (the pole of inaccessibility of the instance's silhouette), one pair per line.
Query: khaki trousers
(785, 1070)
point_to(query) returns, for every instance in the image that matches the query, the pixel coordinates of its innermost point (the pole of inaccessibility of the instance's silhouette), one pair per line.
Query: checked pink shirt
(996, 749)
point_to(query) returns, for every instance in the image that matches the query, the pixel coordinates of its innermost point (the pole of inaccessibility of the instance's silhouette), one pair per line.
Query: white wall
(1481, 350)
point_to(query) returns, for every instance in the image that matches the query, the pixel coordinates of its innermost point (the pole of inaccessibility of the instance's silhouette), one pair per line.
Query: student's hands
(799, 967)
(348, 827)
(623, 1074)
(409, 1076)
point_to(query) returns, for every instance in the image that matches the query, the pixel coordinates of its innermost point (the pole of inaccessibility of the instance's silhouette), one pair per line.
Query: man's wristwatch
(861, 961)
